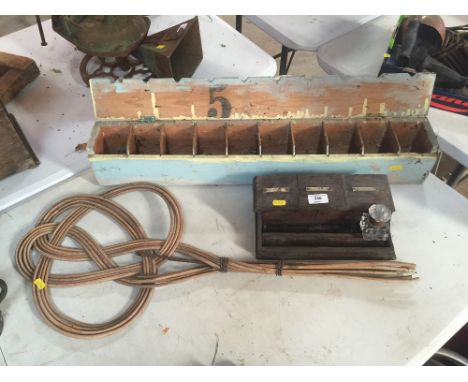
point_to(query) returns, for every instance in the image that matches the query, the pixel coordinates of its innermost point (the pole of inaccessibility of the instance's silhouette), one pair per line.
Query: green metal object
(103, 36)
(174, 52)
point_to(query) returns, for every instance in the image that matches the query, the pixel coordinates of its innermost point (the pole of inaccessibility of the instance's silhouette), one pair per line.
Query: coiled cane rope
(47, 236)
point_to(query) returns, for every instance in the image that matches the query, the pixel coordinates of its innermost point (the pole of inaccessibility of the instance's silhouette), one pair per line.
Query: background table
(452, 133)
(305, 32)
(359, 52)
(55, 111)
(250, 319)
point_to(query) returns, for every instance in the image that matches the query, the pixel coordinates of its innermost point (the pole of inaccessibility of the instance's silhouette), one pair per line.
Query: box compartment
(112, 139)
(343, 137)
(149, 139)
(243, 138)
(211, 138)
(412, 136)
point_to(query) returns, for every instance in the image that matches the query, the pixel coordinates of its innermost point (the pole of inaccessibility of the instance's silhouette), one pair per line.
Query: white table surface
(256, 319)
(452, 133)
(307, 32)
(360, 52)
(55, 111)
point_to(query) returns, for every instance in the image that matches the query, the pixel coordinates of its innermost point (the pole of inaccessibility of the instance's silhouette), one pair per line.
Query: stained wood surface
(287, 97)
(15, 73)
(15, 153)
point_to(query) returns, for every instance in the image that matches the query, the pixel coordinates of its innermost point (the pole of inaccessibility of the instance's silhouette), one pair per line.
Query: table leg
(239, 23)
(41, 31)
(293, 52)
(458, 175)
(283, 60)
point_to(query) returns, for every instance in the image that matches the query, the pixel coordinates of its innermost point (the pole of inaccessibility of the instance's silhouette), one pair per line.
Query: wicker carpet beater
(47, 237)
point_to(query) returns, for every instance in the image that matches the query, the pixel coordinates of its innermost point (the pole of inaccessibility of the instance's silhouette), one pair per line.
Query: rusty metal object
(175, 52)
(454, 52)
(116, 47)
(434, 22)
(421, 36)
(422, 39)
(103, 36)
(41, 31)
(112, 67)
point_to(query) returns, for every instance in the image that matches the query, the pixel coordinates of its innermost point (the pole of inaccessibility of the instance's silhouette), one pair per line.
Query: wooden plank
(289, 97)
(13, 61)
(15, 153)
(15, 73)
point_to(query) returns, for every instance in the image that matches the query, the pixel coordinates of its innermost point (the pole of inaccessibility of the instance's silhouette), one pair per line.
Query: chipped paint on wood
(382, 110)
(364, 107)
(192, 111)
(426, 103)
(155, 106)
(93, 101)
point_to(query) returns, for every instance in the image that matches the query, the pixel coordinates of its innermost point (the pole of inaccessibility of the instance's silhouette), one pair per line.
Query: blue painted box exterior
(117, 169)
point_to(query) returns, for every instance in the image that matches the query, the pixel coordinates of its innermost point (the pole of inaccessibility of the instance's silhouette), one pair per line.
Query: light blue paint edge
(192, 171)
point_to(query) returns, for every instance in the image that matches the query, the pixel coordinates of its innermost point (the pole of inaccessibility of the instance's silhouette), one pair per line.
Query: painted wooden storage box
(227, 131)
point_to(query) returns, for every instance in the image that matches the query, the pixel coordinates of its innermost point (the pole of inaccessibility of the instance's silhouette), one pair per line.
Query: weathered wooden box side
(228, 131)
(16, 154)
(15, 73)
